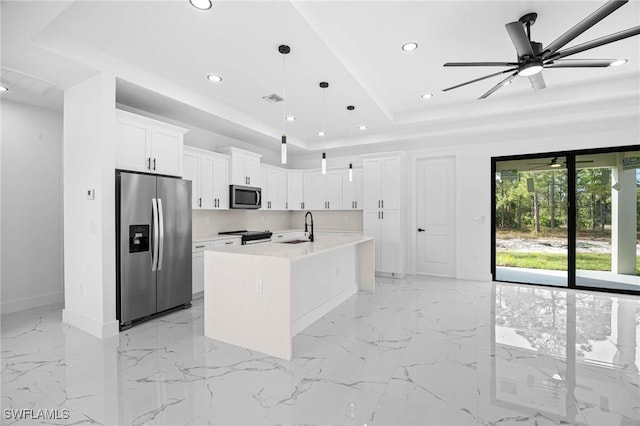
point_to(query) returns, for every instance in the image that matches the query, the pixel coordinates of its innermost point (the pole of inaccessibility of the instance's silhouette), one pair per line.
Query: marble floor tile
(418, 351)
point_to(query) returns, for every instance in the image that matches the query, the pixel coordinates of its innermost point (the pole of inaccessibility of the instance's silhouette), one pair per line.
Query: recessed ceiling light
(320, 133)
(214, 78)
(618, 62)
(427, 96)
(201, 4)
(290, 118)
(3, 89)
(362, 127)
(408, 47)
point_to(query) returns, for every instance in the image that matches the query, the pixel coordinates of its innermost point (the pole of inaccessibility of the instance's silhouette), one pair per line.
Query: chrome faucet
(305, 225)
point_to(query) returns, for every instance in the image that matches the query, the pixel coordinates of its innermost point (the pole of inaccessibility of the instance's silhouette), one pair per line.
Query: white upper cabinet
(245, 166)
(352, 190)
(209, 173)
(323, 192)
(382, 183)
(295, 195)
(147, 145)
(274, 188)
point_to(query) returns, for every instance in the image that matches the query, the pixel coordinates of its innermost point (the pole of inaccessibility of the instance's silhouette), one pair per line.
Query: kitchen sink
(294, 241)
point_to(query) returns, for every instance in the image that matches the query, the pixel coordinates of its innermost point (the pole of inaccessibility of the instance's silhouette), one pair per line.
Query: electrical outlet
(258, 286)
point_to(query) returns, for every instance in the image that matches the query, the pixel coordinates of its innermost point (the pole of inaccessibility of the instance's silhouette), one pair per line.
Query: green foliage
(555, 261)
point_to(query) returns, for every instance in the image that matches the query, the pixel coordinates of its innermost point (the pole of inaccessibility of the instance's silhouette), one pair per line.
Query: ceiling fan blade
(519, 39)
(537, 81)
(579, 63)
(480, 64)
(621, 35)
(498, 86)
(582, 26)
(478, 79)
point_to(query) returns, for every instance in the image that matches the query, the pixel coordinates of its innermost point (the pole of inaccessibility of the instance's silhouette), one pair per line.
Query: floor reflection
(564, 352)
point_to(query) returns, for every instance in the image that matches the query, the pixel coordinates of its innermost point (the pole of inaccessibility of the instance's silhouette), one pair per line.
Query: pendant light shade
(284, 50)
(283, 150)
(350, 172)
(324, 163)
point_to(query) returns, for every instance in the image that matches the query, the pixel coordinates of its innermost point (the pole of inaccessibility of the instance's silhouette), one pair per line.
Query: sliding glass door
(607, 220)
(568, 219)
(531, 221)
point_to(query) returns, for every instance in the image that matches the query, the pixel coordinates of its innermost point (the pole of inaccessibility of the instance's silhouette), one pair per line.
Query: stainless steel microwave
(244, 197)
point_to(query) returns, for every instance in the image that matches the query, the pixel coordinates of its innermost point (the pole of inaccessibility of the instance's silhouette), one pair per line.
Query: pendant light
(350, 108)
(284, 50)
(323, 85)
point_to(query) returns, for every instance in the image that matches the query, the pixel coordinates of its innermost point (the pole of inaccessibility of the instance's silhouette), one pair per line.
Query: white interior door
(435, 216)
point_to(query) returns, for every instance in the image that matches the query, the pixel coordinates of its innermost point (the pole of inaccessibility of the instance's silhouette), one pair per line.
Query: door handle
(421, 230)
(161, 222)
(154, 218)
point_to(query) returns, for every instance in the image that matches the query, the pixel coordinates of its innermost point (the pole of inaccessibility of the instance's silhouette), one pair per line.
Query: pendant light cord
(284, 94)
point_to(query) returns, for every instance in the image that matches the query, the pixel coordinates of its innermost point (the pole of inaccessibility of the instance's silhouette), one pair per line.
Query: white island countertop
(321, 244)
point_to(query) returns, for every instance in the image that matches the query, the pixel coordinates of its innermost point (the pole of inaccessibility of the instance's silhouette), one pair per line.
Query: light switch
(91, 194)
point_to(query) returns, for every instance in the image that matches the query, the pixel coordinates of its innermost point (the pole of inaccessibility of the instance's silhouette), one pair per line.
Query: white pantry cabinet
(244, 166)
(147, 145)
(295, 192)
(323, 192)
(209, 173)
(352, 194)
(385, 181)
(274, 188)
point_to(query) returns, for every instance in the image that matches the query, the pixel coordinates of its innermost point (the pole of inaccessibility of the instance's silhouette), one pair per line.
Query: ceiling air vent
(273, 98)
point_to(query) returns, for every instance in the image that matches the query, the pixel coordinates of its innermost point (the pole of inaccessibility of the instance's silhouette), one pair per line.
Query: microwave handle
(258, 201)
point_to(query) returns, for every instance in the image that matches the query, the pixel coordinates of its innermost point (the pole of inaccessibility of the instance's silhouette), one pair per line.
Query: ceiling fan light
(618, 62)
(530, 69)
(201, 4)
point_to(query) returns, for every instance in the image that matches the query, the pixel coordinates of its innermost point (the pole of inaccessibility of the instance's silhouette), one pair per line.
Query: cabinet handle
(229, 242)
(356, 204)
(154, 164)
(199, 202)
(378, 203)
(149, 163)
(286, 205)
(378, 214)
(200, 246)
(328, 204)
(249, 178)
(382, 215)
(279, 236)
(383, 204)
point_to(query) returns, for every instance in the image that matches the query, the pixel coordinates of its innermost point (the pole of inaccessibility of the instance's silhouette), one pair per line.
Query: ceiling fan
(533, 57)
(554, 164)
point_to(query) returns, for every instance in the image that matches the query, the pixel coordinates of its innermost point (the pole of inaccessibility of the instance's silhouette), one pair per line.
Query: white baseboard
(9, 306)
(95, 328)
(475, 277)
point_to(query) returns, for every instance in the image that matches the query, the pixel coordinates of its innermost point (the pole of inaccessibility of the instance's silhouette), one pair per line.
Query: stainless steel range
(251, 237)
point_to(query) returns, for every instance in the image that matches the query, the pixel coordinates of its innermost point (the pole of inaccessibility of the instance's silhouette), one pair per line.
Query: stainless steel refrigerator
(153, 245)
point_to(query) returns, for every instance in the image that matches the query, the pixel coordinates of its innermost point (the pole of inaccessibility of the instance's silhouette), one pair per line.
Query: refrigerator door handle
(161, 223)
(154, 252)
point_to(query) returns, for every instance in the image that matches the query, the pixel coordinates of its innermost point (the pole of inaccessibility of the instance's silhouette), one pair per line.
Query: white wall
(31, 206)
(89, 225)
(473, 150)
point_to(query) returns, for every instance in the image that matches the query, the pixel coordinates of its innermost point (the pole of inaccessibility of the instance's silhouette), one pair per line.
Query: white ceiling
(161, 52)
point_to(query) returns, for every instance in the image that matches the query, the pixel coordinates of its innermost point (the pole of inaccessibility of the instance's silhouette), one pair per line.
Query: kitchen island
(259, 296)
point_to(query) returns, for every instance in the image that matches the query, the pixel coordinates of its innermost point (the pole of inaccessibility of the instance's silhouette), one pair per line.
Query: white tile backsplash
(210, 222)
